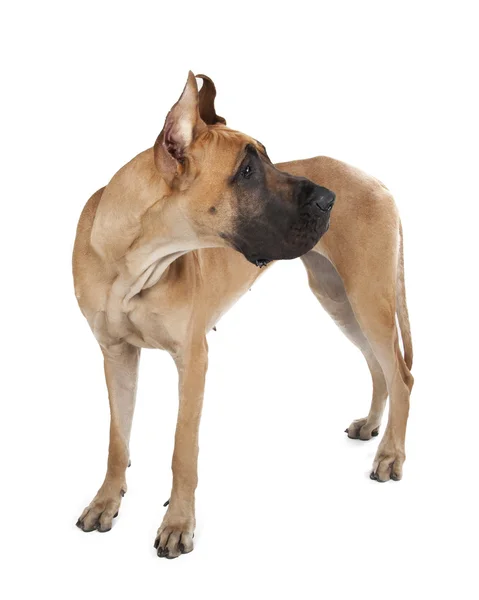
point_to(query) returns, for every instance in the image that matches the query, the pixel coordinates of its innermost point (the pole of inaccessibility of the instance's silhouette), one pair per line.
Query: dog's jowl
(177, 237)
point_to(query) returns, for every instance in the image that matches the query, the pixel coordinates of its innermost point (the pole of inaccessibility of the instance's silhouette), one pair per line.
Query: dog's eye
(247, 171)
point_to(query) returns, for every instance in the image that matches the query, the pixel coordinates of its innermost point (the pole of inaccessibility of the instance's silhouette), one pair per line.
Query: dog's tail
(402, 312)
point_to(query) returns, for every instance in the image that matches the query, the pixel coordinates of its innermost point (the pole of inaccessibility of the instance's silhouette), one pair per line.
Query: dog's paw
(174, 537)
(362, 430)
(101, 511)
(388, 462)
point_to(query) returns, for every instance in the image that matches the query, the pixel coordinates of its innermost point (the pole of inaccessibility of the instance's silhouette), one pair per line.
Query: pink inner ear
(173, 145)
(172, 140)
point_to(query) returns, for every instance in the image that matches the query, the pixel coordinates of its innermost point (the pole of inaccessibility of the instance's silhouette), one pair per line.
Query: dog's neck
(165, 236)
(138, 230)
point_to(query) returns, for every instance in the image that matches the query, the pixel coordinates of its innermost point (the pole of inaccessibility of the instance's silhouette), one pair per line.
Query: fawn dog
(179, 234)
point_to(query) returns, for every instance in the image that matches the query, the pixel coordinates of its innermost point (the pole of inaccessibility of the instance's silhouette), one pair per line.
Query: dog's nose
(317, 198)
(326, 200)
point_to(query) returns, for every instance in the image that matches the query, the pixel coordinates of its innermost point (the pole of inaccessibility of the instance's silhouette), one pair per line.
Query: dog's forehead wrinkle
(226, 136)
(220, 142)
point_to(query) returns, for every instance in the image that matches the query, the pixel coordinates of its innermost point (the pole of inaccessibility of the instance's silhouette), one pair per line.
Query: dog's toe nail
(373, 475)
(115, 515)
(375, 432)
(101, 530)
(346, 430)
(155, 545)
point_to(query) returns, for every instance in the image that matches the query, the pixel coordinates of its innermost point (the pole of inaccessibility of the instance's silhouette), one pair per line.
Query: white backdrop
(285, 507)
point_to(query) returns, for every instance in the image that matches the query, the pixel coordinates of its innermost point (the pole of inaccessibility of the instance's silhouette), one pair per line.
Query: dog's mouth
(261, 262)
(286, 250)
(268, 245)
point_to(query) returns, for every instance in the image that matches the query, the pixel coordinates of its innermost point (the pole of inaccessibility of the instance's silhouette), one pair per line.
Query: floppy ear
(182, 125)
(207, 102)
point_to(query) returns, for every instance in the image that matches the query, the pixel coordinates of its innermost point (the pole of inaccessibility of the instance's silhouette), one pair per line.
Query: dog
(182, 231)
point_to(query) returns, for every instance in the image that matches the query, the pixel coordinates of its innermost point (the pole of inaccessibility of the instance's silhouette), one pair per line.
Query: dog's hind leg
(369, 292)
(373, 300)
(327, 286)
(121, 372)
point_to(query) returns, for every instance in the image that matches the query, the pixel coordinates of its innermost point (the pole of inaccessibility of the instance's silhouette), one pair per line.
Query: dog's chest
(148, 320)
(154, 323)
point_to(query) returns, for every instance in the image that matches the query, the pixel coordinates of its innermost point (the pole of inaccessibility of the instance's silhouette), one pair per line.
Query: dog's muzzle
(287, 228)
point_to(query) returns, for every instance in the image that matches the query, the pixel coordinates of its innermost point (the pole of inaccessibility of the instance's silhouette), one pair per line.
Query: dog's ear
(182, 125)
(207, 102)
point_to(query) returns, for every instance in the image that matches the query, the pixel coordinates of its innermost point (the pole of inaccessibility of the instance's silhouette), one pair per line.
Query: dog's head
(228, 188)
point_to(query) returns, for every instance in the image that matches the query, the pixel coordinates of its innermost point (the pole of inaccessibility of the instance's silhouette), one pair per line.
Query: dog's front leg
(121, 370)
(175, 535)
